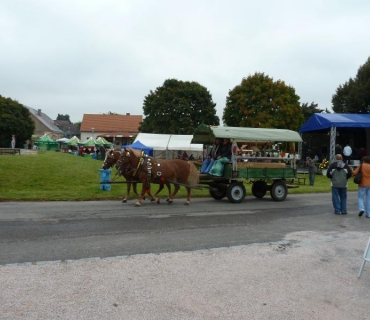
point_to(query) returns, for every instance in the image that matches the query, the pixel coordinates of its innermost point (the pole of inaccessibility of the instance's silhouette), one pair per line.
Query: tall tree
(261, 102)
(309, 110)
(354, 95)
(14, 119)
(178, 107)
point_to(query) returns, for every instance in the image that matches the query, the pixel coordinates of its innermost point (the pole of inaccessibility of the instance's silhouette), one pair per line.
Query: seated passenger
(212, 156)
(225, 156)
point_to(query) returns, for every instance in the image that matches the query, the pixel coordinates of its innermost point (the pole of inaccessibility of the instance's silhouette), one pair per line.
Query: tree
(354, 95)
(14, 119)
(260, 102)
(178, 107)
(309, 110)
(63, 117)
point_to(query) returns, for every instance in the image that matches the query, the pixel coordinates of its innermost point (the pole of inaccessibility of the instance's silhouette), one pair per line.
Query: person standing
(339, 173)
(12, 143)
(312, 170)
(347, 153)
(364, 187)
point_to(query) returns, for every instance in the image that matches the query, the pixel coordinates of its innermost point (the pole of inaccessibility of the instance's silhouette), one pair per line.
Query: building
(44, 125)
(68, 128)
(116, 128)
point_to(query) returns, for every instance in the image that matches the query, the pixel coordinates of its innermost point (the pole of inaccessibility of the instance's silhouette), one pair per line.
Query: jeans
(312, 177)
(206, 166)
(361, 194)
(339, 198)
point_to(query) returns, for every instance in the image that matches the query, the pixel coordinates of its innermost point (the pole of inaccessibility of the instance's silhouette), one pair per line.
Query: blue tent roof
(139, 146)
(320, 121)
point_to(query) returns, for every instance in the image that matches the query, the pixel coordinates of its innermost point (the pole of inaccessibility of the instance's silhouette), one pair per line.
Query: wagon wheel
(218, 192)
(259, 188)
(279, 191)
(236, 192)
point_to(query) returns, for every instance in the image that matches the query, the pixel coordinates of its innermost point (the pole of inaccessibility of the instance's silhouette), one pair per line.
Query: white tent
(169, 142)
(183, 142)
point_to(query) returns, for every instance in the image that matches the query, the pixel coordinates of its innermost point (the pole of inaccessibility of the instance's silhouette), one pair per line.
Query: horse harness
(145, 164)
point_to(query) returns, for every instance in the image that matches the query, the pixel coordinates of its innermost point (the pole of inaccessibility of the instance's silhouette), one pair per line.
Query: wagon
(272, 174)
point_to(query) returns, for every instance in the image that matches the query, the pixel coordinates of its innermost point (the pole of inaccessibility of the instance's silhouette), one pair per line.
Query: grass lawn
(55, 176)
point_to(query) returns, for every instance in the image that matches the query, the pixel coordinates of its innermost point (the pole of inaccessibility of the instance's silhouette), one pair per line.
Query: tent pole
(333, 135)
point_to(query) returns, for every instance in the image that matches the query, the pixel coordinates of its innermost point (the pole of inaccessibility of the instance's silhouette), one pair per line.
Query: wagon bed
(264, 177)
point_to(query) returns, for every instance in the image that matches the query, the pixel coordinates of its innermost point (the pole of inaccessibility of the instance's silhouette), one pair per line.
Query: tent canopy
(91, 142)
(46, 142)
(161, 142)
(207, 134)
(103, 141)
(73, 141)
(321, 121)
(183, 142)
(45, 139)
(139, 146)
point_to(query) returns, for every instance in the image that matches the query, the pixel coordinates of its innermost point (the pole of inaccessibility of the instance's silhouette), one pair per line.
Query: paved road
(47, 231)
(290, 260)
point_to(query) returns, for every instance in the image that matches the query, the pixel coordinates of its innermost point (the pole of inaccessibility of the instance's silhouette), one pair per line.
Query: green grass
(55, 176)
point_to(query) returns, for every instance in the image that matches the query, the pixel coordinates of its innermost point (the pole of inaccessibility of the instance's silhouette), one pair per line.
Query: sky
(98, 56)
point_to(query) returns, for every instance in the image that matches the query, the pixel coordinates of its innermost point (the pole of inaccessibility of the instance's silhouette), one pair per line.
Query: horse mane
(136, 152)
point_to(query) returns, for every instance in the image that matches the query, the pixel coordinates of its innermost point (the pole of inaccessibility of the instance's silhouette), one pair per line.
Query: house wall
(41, 129)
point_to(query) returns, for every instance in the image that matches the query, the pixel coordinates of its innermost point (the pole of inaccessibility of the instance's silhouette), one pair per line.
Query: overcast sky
(95, 56)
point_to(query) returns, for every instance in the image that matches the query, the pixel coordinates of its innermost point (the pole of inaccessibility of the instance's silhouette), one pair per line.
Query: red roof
(112, 123)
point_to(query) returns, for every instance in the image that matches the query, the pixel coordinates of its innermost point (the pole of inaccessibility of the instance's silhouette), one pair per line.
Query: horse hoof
(159, 201)
(137, 204)
(170, 201)
(124, 200)
(186, 203)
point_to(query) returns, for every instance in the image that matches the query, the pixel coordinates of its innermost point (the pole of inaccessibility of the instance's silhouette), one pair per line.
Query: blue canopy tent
(320, 121)
(139, 146)
(332, 121)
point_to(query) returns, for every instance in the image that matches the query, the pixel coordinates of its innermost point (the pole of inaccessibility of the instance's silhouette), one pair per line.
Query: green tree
(354, 95)
(309, 110)
(261, 102)
(14, 119)
(63, 117)
(178, 107)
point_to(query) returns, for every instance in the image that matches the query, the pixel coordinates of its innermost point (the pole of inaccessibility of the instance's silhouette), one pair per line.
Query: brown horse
(111, 158)
(150, 170)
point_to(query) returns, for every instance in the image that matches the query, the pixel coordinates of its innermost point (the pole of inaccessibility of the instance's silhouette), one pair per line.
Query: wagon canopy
(207, 134)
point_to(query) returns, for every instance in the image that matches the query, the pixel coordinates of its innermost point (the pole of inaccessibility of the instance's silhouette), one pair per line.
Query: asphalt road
(47, 231)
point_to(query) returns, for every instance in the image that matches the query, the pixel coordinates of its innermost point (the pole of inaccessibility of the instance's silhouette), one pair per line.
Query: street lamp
(92, 132)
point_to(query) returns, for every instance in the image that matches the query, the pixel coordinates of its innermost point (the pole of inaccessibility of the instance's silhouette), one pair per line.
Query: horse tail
(193, 178)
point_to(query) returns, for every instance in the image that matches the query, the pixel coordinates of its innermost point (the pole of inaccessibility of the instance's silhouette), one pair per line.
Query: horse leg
(161, 186)
(127, 192)
(170, 200)
(141, 196)
(159, 189)
(169, 190)
(187, 202)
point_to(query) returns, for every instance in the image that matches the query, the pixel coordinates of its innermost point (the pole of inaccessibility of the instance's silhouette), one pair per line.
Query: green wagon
(271, 174)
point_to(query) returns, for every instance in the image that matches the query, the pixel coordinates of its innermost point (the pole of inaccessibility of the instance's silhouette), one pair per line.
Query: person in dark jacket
(312, 170)
(339, 173)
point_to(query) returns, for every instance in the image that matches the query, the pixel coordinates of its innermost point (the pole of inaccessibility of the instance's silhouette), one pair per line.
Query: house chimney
(128, 113)
(39, 112)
